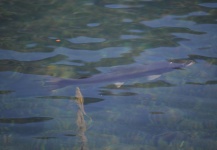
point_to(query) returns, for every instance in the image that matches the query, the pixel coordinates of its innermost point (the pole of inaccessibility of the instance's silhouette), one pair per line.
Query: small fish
(123, 73)
(24, 120)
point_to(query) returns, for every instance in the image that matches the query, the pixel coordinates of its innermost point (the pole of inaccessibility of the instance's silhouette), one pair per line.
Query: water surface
(45, 41)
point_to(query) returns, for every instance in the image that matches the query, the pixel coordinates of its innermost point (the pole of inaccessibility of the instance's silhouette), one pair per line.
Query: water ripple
(84, 39)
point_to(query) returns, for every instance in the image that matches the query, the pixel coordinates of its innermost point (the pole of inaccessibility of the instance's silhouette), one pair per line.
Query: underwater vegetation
(23, 8)
(81, 123)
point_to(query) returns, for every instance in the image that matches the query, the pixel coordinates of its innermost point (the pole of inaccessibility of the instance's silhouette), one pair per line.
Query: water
(43, 42)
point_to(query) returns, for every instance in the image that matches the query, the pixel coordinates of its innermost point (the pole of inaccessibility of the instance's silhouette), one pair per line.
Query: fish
(24, 120)
(119, 74)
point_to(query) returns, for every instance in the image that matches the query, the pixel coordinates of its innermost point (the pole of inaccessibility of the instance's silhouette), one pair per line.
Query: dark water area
(108, 75)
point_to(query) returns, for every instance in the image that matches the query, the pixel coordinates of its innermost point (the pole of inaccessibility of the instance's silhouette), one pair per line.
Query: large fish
(35, 85)
(121, 74)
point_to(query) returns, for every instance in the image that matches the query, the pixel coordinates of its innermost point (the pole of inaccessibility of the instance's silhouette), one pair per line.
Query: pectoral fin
(119, 84)
(152, 77)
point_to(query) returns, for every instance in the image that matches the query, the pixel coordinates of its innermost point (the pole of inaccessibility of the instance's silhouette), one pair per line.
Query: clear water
(46, 41)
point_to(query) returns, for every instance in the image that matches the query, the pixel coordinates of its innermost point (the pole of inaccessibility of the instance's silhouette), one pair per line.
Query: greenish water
(44, 42)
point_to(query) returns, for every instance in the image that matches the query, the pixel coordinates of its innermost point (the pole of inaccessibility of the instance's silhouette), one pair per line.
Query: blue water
(44, 43)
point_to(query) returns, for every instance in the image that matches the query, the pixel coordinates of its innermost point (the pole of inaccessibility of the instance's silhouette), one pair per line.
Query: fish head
(180, 63)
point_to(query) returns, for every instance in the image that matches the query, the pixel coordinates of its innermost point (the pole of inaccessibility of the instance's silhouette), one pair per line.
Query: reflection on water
(82, 39)
(83, 42)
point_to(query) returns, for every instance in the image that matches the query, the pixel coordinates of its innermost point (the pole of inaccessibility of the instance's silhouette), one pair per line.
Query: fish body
(123, 73)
